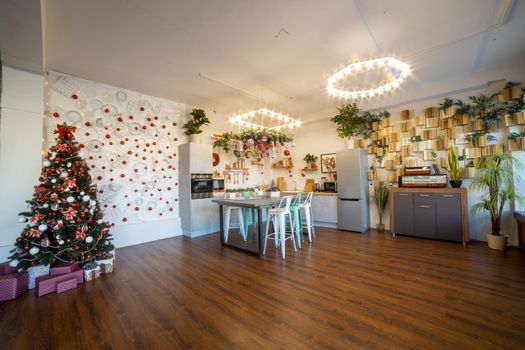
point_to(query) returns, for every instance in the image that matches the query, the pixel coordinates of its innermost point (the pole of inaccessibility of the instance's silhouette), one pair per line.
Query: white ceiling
(234, 55)
(21, 34)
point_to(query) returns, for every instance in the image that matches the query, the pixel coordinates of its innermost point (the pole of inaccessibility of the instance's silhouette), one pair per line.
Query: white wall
(22, 107)
(135, 163)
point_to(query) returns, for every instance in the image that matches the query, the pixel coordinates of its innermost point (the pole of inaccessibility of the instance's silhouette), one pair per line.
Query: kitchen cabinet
(324, 208)
(440, 213)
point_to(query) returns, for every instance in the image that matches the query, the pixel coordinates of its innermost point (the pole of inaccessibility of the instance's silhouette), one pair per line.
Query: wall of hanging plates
(130, 144)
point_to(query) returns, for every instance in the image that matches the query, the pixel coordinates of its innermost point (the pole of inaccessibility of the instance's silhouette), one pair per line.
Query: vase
(455, 183)
(496, 241)
(380, 227)
(195, 138)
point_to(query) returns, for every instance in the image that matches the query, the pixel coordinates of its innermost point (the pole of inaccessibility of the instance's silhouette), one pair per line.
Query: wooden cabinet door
(448, 214)
(404, 213)
(425, 220)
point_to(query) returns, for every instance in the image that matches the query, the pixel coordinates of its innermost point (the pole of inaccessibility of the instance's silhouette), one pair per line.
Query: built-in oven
(201, 186)
(218, 185)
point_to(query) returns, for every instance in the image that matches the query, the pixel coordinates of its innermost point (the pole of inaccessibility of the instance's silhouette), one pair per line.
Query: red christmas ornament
(74, 97)
(56, 115)
(286, 152)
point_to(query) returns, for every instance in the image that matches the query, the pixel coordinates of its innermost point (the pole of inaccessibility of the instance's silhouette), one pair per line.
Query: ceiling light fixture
(285, 122)
(398, 69)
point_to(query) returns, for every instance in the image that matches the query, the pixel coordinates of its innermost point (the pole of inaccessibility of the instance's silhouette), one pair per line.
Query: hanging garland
(255, 142)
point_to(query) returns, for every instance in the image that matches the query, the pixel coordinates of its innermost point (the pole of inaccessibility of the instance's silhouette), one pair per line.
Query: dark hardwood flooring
(344, 291)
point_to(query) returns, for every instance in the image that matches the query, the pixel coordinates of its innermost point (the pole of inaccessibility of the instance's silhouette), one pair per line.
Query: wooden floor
(344, 291)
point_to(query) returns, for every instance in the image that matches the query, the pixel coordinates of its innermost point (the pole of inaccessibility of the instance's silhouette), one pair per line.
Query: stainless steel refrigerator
(352, 190)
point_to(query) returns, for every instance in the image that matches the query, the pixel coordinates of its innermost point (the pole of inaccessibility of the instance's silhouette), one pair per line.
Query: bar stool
(308, 214)
(249, 212)
(296, 217)
(239, 224)
(278, 217)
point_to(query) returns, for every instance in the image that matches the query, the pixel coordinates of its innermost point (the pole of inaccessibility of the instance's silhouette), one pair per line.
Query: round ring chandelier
(399, 70)
(284, 121)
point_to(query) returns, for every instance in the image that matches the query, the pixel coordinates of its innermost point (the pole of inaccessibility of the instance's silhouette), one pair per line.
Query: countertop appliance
(201, 186)
(330, 186)
(352, 190)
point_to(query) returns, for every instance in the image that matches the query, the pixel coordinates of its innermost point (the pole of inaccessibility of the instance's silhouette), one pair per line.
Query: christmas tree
(65, 220)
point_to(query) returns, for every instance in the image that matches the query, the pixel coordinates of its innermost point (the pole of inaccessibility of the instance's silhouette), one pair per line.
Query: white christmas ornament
(64, 174)
(92, 203)
(70, 199)
(86, 198)
(61, 242)
(45, 205)
(69, 165)
(42, 227)
(53, 181)
(34, 251)
(82, 193)
(14, 263)
(22, 219)
(46, 163)
(89, 239)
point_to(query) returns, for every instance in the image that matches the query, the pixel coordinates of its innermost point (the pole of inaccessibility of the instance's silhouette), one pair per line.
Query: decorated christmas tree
(64, 223)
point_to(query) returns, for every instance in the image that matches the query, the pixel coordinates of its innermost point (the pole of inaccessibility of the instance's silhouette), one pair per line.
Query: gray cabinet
(433, 213)
(448, 216)
(425, 220)
(404, 213)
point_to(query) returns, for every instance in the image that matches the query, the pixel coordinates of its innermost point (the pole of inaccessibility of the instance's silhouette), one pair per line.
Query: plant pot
(195, 138)
(455, 183)
(496, 242)
(350, 143)
(380, 227)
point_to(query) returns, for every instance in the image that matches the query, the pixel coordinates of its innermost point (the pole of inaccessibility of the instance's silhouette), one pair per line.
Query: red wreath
(216, 159)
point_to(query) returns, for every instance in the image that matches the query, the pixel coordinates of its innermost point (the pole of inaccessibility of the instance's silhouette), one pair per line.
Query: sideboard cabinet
(438, 213)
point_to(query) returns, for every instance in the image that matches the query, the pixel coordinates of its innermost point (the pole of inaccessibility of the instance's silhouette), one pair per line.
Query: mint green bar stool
(295, 209)
(247, 222)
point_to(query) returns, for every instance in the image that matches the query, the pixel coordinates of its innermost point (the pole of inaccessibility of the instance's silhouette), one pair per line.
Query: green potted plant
(495, 177)
(310, 160)
(194, 124)
(349, 121)
(381, 192)
(455, 170)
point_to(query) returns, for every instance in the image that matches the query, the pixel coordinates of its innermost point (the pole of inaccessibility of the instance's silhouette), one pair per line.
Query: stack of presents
(57, 278)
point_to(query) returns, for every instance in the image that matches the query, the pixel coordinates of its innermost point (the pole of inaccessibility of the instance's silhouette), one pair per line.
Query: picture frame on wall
(328, 163)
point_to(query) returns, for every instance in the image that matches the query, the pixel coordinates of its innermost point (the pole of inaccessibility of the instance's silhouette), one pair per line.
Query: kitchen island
(255, 240)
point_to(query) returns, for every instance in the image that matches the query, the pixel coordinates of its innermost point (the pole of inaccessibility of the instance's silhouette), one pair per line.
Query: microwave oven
(330, 186)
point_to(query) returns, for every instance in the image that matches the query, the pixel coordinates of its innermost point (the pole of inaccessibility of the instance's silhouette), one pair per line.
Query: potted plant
(495, 176)
(455, 170)
(381, 192)
(349, 122)
(310, 160)
(273, 191)
(194, 124)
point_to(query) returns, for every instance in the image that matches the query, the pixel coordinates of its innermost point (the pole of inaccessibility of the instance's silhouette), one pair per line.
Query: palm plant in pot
(495, 177)
(194, 124)
(381, 192)
(455, 170)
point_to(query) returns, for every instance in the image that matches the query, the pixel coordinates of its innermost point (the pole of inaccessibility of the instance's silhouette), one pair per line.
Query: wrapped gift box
(6, 269)
(13, 285)
(66, 285)
(106, 266)
(48, 284)
(91, 274)
(35, 272)
(63, 268)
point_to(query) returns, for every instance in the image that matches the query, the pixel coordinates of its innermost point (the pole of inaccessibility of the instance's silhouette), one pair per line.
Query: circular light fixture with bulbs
(399, 70)
(283, 121)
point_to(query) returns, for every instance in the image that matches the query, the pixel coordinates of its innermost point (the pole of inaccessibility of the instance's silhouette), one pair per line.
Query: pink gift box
(61, 269)
(6, 269)
(13, 285)
(66, 285)
(48, 284)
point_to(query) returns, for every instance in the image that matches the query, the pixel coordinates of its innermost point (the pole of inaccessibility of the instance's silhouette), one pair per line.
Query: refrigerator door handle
(350, 199)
